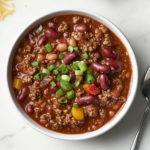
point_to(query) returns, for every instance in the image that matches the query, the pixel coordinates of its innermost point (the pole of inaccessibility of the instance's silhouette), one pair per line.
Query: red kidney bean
(111, 54)
(114, 44)
(97, 55)
(81, 28)
(43, 62)
(23, 94)
(52, 24)
(115, 64)
(52, 33)
(87, 99)
(103, 79)
(87, 62)
(100, 68)
(55, 88)
(72, 76)
(30, 109)
(42, 40)
(67, 35)
(69, 57)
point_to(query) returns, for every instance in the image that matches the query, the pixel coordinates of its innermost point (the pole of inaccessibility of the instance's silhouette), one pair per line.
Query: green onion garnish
(70, 94)
(77, 84)
(90, 78)
(46, 71)
(68, 67)
(82, 66)
(86, 56)
(70, 48)
(78, 72)
(65, 78)
(75, 65)
(65, 71)
(75, 105)
(39, 76)
(61, 67)
(51, 67)
(60, 92)
(58, 77)
(36, 63)
(65, 85)
(53, 83)
(48, 47)
(56, 72)
(76, 49)
(63, 100)
(60, 57)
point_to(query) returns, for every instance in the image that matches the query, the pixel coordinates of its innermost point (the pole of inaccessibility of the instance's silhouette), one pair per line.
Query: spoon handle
(140, 130)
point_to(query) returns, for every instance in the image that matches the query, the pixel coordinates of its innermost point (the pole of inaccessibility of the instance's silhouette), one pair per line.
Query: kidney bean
(62, 47)
(103, 79)
(97, 55)
(52, 24)
(72, 76)
(51, 57)
(23, 94)
(67, 35)
(111, 54)
(30, 109)
(40, 57)
(72, 42)
(69, 57)
(115, 64)
(43, 62)
(81, 28)
(100, 68)
(87, 99)
(114, 44)
(55, 88)
(87, 62)
(42, 40)
(52, 33)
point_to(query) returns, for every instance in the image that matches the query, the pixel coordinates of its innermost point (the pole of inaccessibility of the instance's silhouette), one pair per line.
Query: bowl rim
(118, 116)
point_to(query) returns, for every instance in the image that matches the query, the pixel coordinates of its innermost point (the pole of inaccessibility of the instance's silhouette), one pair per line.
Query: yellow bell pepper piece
(78, 113)
(18, 84)
(85, 85)
(127, 75)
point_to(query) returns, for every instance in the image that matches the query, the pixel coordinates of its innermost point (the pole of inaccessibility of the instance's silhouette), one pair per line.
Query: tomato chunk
(92, 89)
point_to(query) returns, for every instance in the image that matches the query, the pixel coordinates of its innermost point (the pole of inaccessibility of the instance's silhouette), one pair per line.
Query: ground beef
(122, 100)
(107, 40)
(63, 27)
(27, 79)
(28, 49)
(32, 70)
(35, 91)
(79, 92)
(77, 19)
(91, 110)
(103, 29)
(102, 113)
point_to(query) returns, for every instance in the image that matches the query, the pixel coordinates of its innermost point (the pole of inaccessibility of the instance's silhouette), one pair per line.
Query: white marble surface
(132, 17)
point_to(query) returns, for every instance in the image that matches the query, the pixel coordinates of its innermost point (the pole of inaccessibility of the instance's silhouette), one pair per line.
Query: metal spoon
(145, 86)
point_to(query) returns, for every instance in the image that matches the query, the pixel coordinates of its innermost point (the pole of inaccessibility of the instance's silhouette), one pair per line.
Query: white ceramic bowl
(106, 127)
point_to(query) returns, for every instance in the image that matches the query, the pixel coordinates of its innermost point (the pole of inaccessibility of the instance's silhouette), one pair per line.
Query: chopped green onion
(76, 49)
(82, 66)
(90, 78)
(75, 65)
(70, 94)
(75, 105)
(65, 71)
(66, 85)
(46, 71)
(61, 67)
(53, 83)
(86, 56)
(63, 100)
(78, 72)
(48, 47)
(36, 63)
(39, 76)
(90, 69)
(58, 77)
(70, 48)
(60, 57)
(51, 67)
(77, 84)
(65, 78)
(60, 92)
(56, 72)
(68, 67)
